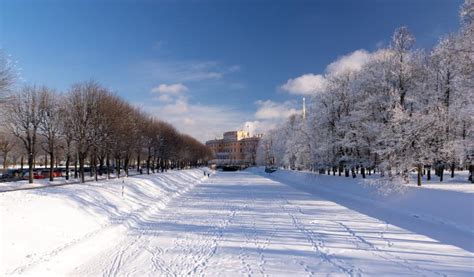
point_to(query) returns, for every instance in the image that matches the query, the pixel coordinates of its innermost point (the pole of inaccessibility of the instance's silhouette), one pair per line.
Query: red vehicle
(45, 174)
(36, 175)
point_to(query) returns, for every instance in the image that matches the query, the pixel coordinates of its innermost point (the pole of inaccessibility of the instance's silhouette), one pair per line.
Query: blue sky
(205, 66)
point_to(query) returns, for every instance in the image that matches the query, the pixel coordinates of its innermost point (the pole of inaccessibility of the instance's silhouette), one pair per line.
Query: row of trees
(89, 125)
(404, 109)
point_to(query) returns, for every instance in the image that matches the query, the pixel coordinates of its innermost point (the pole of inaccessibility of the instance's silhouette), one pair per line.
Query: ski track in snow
(245, 224)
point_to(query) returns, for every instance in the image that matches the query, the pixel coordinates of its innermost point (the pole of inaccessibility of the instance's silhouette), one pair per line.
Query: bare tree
(67, 131)
(50, 127)
(23, 118)
(83, 107)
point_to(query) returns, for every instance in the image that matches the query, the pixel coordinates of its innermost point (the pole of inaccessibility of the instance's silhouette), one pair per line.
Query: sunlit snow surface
(230, 224)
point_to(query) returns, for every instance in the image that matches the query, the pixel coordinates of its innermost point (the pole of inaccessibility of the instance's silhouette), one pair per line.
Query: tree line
(404, 110)
(89, 126)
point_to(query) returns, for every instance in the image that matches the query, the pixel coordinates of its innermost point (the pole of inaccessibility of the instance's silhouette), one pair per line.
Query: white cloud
(206, 122)
(258, 126)
(170, 89)
(268, 115)
(310, 83)
(351, 62)
(165, 98)
(203, 122)
(180, 106)
(306, 84)
(272, 110)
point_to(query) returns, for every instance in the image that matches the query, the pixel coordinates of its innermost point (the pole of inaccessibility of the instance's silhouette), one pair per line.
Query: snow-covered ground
(443, 211)
(65, 224)
(237, 223)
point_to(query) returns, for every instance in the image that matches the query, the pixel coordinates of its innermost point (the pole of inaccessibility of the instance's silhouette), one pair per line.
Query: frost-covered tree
(403, 110)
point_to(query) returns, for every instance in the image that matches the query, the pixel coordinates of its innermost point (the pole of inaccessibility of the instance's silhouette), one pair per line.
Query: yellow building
(235, 148)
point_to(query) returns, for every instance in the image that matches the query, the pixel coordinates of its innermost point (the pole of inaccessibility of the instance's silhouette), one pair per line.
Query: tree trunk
(346, 172)
(117, 164)
(441, 173)
(362, 171)
(138, 163)
(30, 167)
(96, 173)
(81, 167)
(51, 166)
(75, 168)
(419, 169)
(353, 172)
(21, 164)
(471, 172)
(67, 166)
(101, 165)
(453, 166)
(148, 165)
(125, 165)
(428, 173)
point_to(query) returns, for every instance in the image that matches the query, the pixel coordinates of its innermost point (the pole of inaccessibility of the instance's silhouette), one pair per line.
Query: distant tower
(304, 108)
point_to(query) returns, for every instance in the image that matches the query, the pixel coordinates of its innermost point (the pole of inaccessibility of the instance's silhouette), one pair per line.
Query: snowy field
(236, 223)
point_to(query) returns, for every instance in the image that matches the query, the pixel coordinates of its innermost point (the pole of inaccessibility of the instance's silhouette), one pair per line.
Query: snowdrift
(38, 224)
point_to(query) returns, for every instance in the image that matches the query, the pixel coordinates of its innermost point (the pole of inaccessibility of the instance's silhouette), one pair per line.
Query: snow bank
(38, 224)
(442, 212)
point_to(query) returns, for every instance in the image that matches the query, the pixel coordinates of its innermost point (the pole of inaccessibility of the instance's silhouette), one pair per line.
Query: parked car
(37, 174)
(63, 171)
(10, 174)
(56, 173)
